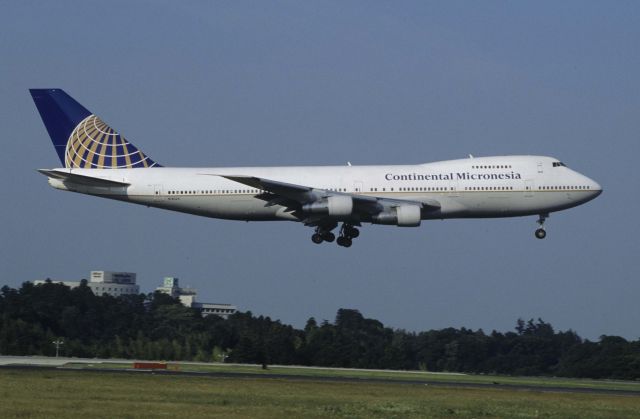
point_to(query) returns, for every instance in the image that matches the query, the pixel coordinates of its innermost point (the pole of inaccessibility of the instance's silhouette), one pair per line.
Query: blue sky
(287, 83)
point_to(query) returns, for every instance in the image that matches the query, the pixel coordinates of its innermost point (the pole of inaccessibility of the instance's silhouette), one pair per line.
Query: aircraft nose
(595, 188)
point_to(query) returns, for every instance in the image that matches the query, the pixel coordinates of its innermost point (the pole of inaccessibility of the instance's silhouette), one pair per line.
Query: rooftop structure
(187, 296)
(106, 282)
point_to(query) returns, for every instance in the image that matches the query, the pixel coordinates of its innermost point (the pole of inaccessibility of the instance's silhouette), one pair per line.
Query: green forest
(158, 327)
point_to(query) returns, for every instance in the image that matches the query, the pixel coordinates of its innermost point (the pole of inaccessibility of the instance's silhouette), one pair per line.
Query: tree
(157, 326)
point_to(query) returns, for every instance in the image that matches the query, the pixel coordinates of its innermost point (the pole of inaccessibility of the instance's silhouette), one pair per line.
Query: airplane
(99, 161)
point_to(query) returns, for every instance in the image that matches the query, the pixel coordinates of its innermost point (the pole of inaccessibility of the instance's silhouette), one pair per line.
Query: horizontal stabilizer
(81, 179)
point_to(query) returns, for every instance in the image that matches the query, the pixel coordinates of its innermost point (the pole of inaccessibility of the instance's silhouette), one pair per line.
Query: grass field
(70, 394)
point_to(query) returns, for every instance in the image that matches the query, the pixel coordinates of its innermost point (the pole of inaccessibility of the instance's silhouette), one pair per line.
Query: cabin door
(157, 192)
(528, 188)
(358, 187)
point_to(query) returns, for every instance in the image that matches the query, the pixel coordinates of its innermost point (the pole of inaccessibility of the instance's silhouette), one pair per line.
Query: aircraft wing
(295, 197)
(68, 176)
(288, 190)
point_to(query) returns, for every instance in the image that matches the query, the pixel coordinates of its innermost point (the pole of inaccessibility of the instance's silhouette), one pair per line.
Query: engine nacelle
(402, 216)
(335, 206)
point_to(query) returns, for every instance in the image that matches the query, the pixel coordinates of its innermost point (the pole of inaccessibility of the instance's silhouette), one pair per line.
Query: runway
(294, 377)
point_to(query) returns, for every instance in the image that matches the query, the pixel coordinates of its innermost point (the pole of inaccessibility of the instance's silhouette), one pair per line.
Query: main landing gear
(540, 232)
(345, 239)
(347, 234)
(322, 235)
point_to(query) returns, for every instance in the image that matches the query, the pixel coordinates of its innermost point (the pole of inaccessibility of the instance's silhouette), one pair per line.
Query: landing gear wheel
(328, 237)
(344, 241)
(352, 232)
(317, 238)
(540, 233)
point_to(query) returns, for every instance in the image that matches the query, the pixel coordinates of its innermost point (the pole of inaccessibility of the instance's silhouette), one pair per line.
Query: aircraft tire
(541, 233)
(344, 241)
(317, 238)
(328, 237)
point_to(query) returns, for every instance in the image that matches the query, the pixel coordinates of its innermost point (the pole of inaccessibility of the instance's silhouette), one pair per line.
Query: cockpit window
(558, 164)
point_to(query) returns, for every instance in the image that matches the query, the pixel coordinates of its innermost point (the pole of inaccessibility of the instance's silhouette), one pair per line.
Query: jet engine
(402, 216)
(335, 206)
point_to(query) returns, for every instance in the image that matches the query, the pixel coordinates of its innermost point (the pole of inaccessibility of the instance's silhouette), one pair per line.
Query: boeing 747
(97, 160)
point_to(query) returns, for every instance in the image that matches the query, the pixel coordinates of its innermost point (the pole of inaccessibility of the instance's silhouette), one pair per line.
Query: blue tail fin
(80, 138)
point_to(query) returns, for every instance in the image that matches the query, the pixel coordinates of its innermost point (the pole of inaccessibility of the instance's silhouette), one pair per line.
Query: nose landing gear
(540, 232)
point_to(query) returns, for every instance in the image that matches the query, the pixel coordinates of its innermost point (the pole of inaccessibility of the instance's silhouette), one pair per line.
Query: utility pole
(58, 342)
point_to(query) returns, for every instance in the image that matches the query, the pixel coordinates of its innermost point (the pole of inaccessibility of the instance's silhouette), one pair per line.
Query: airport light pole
(58, 342)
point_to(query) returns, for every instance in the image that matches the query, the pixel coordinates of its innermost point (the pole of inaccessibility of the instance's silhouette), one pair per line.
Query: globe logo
(95, 145)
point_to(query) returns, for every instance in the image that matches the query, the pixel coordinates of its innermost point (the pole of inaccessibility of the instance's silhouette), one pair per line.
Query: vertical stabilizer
(80, 138)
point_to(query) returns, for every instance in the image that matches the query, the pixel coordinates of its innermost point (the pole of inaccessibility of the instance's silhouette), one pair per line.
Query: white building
(187, 296)
(106, 282)
(113, 283)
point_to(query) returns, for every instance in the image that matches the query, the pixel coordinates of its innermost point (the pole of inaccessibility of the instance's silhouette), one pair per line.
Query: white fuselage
(502, 186)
